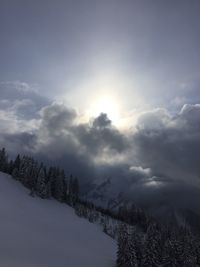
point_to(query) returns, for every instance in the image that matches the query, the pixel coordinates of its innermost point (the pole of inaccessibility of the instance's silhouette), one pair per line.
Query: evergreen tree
(196, 245)
(33, 176)
(51, 177)
(152, 249)
(189, 249)
(59, 193)
(16, 166)
(136, 239)
(28, 171)
(3, 160)
(121, 244)
(41, 186)
(10, 167)
(131, 251)
(70, 191)
(172, 253)
(65, 190)
(23, 169)
(75, 190)
(16, 163)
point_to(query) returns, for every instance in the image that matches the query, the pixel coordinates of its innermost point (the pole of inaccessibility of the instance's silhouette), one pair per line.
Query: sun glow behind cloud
(92, 104)
(107, 104)
(103, 92)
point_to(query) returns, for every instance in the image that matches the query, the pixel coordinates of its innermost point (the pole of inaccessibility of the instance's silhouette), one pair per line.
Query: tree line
(43, 181)
(159, 247)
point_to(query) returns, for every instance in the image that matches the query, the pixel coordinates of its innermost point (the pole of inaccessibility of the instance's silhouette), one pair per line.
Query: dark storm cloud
(101, 135)
(58, 121)
(101, 121)
(87, 140)
(170, 145)
(56, 118)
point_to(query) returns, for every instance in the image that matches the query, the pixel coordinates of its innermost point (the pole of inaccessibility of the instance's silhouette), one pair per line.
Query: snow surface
(46, 233)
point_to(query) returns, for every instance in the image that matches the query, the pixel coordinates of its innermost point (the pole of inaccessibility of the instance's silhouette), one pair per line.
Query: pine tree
(131, 251)
(10, 167)
(121, 244)
(189, 249)
(51, 177)
(33, 176)
(28, 171)
(152, 250)
(23, 169)
(70, 191)
(66, 190)
(16, 166)
(196, 244)
(3, 160)
(172, 252)
(137, 245)
(41, 186)
(17, 162)
(75, 190)
(59, 193)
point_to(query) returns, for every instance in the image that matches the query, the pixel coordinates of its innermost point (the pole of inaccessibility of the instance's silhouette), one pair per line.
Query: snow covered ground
(45, 233)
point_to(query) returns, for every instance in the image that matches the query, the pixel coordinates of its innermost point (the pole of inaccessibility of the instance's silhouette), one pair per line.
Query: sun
(105, 104)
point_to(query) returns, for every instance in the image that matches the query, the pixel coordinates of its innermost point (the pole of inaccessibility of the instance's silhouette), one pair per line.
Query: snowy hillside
(46, 233)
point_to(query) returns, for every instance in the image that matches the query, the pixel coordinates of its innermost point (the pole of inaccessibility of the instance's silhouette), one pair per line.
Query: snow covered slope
(46, 233)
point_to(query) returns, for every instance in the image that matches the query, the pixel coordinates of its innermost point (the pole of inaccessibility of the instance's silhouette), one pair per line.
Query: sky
(109, 86)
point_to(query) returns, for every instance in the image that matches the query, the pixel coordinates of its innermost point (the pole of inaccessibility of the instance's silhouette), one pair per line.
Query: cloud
(140, 170)
(21, 98)
(161, 152)
(79, 147)
(102, 121)
(153, 120)
(97, 140)
(15, 143)
(170, 145)
(19, 86)
(56, 118)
